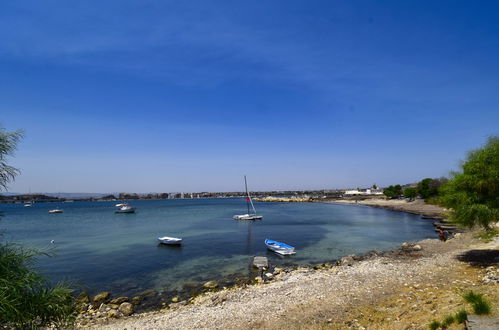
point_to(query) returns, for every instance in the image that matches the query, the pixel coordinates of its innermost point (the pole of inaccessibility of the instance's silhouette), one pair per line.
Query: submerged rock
(101, 297)
(210, 285)
(82, 298)
(118, 300)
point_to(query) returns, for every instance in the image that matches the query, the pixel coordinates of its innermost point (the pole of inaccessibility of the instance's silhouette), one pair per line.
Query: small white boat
(125, 209)
(28, 205)
(249, 203)
(55, 211)
(279, 247)
(170, 240)
(247, 217)
(121, 204)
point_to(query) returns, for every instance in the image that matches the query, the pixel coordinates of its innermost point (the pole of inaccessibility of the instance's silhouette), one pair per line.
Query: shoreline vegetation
(408, 286)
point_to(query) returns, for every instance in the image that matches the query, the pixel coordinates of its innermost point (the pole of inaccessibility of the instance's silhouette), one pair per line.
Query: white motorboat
(28, 205)
(170, 240)
(279, 247)
(249, 204)
(55, 211)
(121, 204)
(125, 209)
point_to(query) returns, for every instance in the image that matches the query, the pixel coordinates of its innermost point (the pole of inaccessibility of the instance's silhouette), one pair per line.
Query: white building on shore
(373, 191)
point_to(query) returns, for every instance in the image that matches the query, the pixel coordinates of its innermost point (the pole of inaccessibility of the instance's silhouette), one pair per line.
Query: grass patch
(487, 235)
(448, 320)
(434, 325)
(461, 316)
(478, 302)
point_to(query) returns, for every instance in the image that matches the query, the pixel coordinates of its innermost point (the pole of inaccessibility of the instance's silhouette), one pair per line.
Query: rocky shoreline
(401, 289)
(327, 295)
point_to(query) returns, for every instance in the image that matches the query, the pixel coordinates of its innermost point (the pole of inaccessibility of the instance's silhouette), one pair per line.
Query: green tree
(410, 192)
(429, 187)
(26, 297)
(393, 191)
(8, 144)
(473, 193)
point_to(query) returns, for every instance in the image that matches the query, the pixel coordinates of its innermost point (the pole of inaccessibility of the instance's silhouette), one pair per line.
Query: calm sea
(100, 250)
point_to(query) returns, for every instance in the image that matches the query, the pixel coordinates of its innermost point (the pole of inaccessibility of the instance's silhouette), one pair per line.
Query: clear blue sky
(153, 96)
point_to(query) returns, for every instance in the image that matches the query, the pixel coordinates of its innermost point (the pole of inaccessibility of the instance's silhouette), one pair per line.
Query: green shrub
(461, 316)
(27, 300)
(478, 302)
(434, 325)
(448, 320)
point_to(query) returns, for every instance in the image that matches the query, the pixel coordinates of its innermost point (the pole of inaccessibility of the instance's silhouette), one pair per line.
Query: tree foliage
(473, 193)
(393, 191)
(410, 193)
(429, 187)
(8, 144)
(27, 300)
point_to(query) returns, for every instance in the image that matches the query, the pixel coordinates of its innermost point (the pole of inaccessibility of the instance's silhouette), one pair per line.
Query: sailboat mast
(247, 194)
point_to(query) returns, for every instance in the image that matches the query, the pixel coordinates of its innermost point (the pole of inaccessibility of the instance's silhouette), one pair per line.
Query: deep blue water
(101, 250)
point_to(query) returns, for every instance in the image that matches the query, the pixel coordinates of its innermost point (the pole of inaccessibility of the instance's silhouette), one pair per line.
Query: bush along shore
(403, 288)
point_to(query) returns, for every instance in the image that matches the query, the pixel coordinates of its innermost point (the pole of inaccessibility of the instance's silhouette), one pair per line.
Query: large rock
(101, 297)
(126, 309)
(210, 285)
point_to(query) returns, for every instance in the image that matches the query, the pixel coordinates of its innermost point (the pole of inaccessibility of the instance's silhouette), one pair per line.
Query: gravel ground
(310, 298)
(417, 206)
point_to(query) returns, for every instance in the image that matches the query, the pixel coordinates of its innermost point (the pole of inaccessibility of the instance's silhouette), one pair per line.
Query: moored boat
(56, 211)
(170, 240)
(125, 209)
(279, 247)
(249, 203)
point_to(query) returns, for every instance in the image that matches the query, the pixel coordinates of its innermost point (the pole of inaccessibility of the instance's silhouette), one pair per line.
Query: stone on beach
(126, 308)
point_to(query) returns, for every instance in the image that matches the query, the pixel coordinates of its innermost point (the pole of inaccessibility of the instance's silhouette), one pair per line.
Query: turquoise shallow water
(100, 250)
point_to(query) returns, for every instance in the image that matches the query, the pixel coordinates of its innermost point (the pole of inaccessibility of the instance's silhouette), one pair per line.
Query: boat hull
(280, 248)
(248, 217)
(127, 210)
(170, 240)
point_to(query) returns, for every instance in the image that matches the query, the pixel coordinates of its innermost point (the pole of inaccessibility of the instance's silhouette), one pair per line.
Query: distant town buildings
(374, 190)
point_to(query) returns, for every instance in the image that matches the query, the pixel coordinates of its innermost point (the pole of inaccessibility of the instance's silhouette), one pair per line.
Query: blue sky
(153, 96)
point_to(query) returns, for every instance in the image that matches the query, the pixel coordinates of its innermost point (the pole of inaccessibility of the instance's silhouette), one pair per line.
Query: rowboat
(170, 240)
(279, 247)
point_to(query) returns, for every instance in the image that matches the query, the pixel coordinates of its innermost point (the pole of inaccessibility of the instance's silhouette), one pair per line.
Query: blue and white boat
(278, 247)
